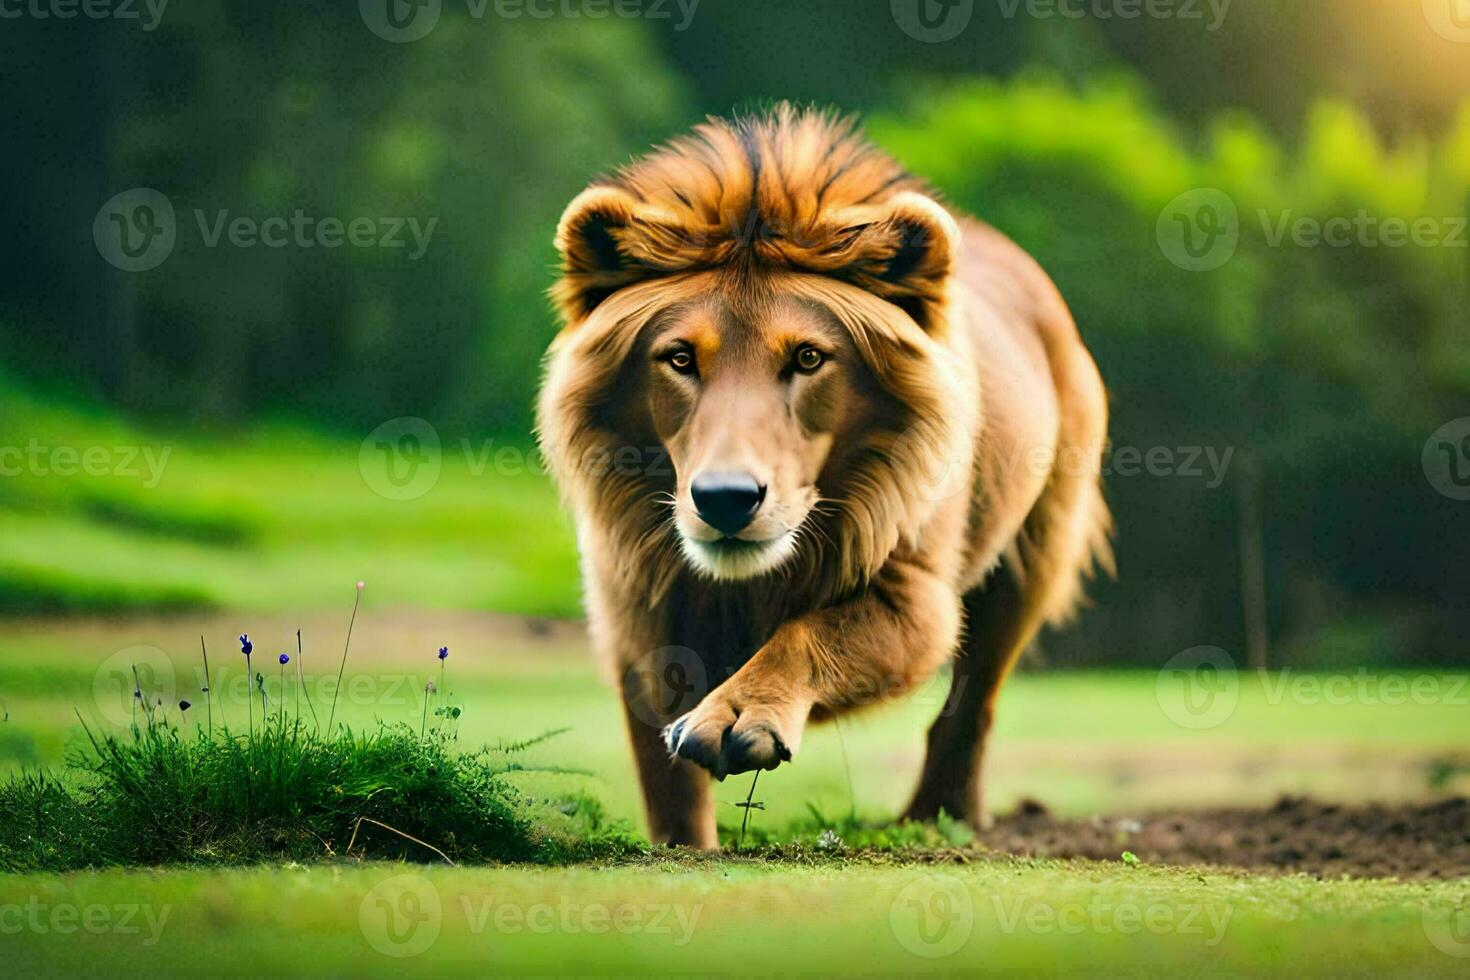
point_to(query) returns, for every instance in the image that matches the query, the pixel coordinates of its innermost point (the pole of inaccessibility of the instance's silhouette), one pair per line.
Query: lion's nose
(726, 502)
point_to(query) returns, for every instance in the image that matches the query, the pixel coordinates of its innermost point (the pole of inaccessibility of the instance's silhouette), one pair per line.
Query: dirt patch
(1296, 835)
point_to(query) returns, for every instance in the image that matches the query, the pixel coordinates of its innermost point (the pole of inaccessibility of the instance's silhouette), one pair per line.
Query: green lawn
(268, 533)
(98, 516)
(1083, 743)
(728, 917)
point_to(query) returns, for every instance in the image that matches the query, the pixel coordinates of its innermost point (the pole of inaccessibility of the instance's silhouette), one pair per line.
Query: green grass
(1083, 743)
(275, 518)
(262, 532)
(169, 793)
(707, 917)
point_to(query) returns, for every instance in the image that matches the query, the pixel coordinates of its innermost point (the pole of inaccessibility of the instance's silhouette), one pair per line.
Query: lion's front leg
(676, 793)
(877, 645)
(754, 720)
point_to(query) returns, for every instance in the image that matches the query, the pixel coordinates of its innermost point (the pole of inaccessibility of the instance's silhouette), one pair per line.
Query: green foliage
(1327, 367)
(272, 517)
(285, 792)
(1323, 367)
(486, 127)
(1080, 178)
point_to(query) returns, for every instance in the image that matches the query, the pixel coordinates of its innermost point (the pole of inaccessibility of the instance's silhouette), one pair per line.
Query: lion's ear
(903, 250)
(595, 261)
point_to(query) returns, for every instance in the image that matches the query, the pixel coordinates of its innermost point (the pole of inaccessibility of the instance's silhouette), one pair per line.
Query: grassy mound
(285, 792)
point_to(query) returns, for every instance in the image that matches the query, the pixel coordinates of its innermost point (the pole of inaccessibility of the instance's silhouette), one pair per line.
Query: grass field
(97, 515)
(732, 917)
(129, 565)
(1083, 743)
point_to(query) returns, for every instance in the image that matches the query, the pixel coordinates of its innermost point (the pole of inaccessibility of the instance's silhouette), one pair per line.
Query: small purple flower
(443, 653)
(185, 706)
(246, 647)
(285, 659)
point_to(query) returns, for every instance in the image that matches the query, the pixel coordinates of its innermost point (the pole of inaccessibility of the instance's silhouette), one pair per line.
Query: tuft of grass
(160, 796)
(283, 791)
(845, 835)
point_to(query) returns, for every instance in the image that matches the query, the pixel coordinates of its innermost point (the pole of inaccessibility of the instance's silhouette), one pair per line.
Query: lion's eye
(808, 359)
(682, 361)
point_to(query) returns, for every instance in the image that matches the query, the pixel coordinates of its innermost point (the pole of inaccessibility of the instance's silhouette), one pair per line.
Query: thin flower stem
(208, 704)
(746, 819)
(336, 690)
(249, 699)
(301, 680)
(847, 768)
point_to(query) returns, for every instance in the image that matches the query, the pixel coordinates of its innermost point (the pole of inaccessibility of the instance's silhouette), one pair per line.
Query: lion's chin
(734, 559)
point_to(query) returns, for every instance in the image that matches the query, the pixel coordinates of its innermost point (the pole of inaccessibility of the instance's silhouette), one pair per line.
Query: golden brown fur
(942, 453)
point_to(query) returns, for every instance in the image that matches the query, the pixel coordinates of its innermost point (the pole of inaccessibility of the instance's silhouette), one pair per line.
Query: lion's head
(754, 373)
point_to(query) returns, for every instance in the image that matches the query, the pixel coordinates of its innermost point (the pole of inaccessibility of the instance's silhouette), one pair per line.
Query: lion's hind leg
(1039, 581)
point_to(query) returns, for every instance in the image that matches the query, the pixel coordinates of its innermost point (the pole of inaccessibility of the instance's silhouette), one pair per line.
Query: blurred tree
(486, 128)
(1329, 366)
(1320, 366)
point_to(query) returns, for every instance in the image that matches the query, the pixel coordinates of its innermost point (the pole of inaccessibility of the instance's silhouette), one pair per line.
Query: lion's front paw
(727, 737)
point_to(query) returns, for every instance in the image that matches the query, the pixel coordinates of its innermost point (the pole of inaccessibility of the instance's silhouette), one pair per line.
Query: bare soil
(1295, 835)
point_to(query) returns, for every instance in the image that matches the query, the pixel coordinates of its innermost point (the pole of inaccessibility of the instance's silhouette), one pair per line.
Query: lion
(820, 435)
